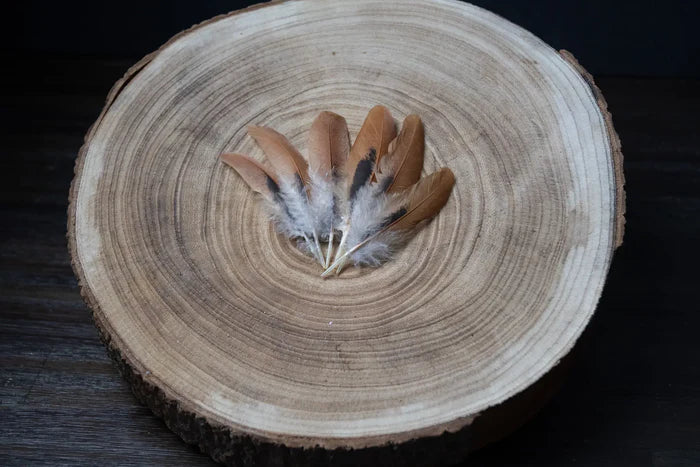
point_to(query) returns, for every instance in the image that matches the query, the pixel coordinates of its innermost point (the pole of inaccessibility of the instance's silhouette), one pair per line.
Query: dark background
(644, 38)
(633, 393)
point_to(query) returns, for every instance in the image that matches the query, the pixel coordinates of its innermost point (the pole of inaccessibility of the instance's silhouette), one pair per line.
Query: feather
(371, 208)
(377, 131)
(363, 173)
(253, 173)
(371, 191)
(328, 149)
(329, 144)
(404, 162)
(386, 219)
(284, 157)
(285, 202)
(425, 199)
(293, 175)
(371, 143)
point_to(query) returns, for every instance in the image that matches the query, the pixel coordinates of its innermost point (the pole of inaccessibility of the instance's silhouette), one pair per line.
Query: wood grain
(627, 399)
(225, 329)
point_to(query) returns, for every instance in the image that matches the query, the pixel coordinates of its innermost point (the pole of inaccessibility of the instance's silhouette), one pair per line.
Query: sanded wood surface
(214, 316)
(627, 401)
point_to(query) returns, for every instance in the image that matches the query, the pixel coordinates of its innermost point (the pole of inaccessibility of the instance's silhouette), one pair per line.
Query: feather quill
(371, 143)
(328, 149)
(390, 218)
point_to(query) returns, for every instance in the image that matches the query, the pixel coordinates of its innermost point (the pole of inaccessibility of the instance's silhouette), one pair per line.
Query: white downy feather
(371, 210)
(324, 210)
(292, 213)
(322, 204)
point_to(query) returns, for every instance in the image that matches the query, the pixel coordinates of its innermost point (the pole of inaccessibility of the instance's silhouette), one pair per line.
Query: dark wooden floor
(633, 395)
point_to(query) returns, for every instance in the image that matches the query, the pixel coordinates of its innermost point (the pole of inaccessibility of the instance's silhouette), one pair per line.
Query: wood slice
(225, 329)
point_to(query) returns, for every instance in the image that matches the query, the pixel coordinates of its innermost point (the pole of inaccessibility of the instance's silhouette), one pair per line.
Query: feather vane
(405, 158)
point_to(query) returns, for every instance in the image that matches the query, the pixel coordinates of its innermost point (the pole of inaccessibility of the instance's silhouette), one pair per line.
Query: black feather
(363, 172)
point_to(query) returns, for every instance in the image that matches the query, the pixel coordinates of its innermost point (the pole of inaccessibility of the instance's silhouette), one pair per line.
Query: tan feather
(377, 131)
(252, 172)
(328, 150)
(405, 157)
(284, 157)
(426, 199)
(371, 143)
(329, 144)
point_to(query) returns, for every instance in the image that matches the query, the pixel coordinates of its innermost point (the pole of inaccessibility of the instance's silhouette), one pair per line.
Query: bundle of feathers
(370, 196)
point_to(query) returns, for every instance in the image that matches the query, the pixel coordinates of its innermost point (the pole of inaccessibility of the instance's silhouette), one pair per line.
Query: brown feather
(252, 172)
(426, 199)
(329, 144)
(377, 131)
(405, 158)
(284, 157)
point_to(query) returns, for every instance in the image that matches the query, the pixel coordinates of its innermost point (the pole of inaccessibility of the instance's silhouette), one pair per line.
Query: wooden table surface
(633, 393)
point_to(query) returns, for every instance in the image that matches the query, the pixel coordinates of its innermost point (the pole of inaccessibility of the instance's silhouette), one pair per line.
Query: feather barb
(284, 157)
(253, 173)
(404, 162)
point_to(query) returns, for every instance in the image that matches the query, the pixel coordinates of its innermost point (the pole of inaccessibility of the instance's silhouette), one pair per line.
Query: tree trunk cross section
(227, 331)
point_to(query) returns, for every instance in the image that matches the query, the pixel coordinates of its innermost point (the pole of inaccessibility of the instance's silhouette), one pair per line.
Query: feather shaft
(313, 248)
(340, 261)
(329, 251)
(319, 251)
